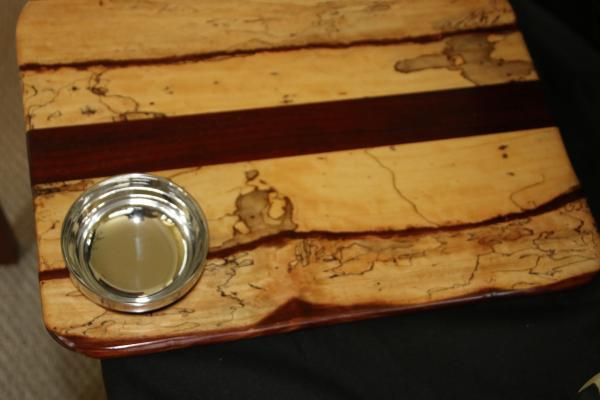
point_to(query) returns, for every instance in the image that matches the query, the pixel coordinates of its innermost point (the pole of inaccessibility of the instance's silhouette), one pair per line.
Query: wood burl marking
(471, 54)
(260, 211)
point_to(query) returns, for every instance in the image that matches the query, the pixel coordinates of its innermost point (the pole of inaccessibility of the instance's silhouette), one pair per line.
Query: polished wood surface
(373, 190)
(313, 280)
(96, 94)
(63, 153)
(76, 32)
(360, 232)
(354, 159)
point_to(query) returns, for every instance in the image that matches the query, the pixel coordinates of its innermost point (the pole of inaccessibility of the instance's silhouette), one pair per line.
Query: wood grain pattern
(65, 153)
(59, 32)
(337, 149)
(307, 281)
(392, 188)
(99, 94)
(347, 235)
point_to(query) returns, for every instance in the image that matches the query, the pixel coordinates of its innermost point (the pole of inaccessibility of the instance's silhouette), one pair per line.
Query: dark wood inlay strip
(75, 152)
(49, 274)
(9, 249)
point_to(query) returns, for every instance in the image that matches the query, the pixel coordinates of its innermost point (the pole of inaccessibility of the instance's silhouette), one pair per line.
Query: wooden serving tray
(354, 158)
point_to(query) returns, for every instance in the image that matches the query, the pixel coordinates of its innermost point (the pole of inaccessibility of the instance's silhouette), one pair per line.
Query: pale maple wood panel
(72, 31)
(391, 188)
(236, 295)
(98, 94)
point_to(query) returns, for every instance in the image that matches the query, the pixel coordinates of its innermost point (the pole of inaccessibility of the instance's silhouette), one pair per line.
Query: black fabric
(589, 393)
(538, 347)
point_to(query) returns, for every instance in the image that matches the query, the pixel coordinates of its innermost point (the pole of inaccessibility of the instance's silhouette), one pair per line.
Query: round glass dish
(135, 242)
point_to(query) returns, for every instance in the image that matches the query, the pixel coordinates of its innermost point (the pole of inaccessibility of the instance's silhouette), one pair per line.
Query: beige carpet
(32, 365)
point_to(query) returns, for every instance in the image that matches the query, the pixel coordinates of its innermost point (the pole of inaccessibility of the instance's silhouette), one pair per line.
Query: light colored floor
(32, 365)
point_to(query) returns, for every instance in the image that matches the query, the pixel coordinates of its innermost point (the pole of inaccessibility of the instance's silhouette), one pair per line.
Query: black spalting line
(77, 152)
(196, 57)
(286, 236)
(282, 238)
(293, 315)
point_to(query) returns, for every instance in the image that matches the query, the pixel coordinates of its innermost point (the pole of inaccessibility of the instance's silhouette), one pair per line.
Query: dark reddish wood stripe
(281, 238)
(48, 274)
(63, 153)
(9, 249)
(294, 315)
(196, 57)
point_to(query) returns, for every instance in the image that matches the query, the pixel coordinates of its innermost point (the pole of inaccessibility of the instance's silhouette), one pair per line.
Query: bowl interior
(135, 242)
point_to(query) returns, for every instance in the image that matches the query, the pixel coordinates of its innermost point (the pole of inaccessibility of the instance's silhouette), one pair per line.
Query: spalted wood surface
(63, 32)
(312, 279)
(392, 188)
(95, 94)
(354, 158)
(337, 236)
(65, 153)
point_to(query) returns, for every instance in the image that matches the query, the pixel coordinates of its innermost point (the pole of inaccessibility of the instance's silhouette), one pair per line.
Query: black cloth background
(538, 347)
